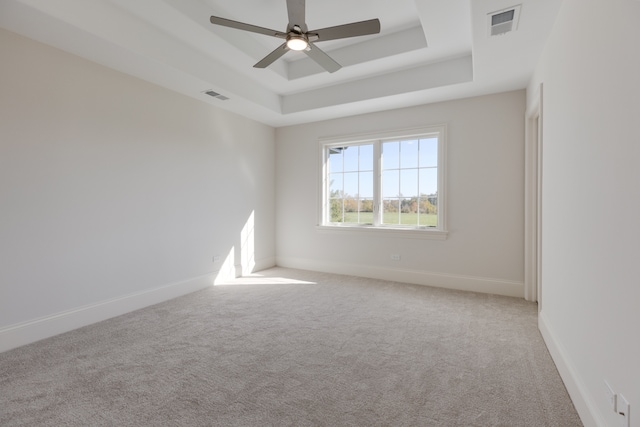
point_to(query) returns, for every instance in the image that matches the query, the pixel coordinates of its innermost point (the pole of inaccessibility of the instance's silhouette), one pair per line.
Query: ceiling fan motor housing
(297, 40)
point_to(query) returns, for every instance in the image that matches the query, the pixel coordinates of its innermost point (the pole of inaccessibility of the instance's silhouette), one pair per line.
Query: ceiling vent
(215, 95)
(503, 21)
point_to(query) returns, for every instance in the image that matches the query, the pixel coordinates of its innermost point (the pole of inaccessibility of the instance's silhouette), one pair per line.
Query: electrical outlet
(216, 258)
(623, 411)
(395, 257)
(611, 396)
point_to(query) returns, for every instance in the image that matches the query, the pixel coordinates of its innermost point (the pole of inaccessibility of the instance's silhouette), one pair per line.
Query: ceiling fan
(297, 37)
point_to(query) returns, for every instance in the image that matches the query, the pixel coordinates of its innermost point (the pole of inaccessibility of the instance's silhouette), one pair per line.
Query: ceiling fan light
(297, 43)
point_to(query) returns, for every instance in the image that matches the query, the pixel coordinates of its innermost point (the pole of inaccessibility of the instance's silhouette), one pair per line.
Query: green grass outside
(430, 220)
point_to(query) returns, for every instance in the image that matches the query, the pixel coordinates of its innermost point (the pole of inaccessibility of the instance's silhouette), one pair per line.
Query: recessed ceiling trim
(428, 76)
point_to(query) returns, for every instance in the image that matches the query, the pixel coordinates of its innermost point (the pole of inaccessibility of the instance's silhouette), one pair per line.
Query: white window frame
(420, 232)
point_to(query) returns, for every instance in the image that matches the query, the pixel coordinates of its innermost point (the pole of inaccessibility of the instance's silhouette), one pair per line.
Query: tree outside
(418, 210)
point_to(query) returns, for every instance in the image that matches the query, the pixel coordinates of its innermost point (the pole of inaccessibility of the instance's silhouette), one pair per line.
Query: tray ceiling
(427, 50)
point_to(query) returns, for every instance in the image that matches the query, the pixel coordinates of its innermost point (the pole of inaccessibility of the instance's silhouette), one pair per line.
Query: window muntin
(386, 182)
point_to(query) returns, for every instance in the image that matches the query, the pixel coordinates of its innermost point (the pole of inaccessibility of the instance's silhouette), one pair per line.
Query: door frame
(533, 199)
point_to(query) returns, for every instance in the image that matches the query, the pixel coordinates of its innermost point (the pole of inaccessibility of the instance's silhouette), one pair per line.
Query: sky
(408, 168)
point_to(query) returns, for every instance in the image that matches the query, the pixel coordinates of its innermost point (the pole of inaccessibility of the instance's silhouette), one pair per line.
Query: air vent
(215, 95)
(503, 21)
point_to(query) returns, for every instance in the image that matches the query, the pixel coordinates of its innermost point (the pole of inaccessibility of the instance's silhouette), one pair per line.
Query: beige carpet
(294, 348)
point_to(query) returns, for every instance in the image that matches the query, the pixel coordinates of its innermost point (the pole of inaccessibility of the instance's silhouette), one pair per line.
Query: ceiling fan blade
(246, 27)
(271, 58)
(324, 60)
(354, 29)
(296, 11)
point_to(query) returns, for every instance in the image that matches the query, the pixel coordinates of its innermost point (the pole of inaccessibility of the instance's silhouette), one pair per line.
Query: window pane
(409, 154)
(358, 211)
(391, 211)
(350, 209)
(335, 210)
(409, 183)
(366, 217)
(351, 158)
(351, 184)
(351, 217)
(391, 155)
(335, 185)
(409, 211)
(429, 211)
(366, 207)
(366, 184)
(335, 159)
(390, 183)
(429, 220)
(366, 157)
(428, 181)
(428, 152)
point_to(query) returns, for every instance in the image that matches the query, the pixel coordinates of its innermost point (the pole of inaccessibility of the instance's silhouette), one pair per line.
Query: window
(393, 181)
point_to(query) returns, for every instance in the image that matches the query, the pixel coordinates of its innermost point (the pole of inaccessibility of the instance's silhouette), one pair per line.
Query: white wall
(485, 172)
(590, 316)
(112, 187)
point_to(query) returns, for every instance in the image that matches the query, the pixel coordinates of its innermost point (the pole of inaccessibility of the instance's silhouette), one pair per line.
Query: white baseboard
(440, 280)
(587, 410)
(30, 331)
(263, 264)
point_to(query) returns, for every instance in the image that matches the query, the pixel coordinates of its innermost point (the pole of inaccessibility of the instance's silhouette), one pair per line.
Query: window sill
(405, 233)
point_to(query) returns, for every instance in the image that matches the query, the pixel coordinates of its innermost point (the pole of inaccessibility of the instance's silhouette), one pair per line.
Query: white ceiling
(427, 50)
